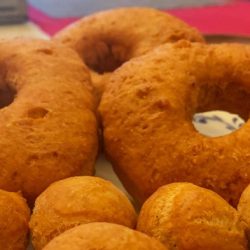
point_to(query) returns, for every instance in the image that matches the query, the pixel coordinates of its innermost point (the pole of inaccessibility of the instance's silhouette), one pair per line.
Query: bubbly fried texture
(186, 217)
(47, 118)
(105, 42)
(14, 221)
(244, 209)
(103, 236)
(78, 200)
(147, 111)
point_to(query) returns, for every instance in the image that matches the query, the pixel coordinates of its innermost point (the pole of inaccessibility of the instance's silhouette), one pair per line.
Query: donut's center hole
(217, 123)
(7, 96)
(104, 56)
(221, 111)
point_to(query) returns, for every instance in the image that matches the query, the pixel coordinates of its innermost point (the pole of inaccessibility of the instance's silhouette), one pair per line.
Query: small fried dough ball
(244, 209)
(184, 216)
(103, 236)
(78, 200)
(14, 221)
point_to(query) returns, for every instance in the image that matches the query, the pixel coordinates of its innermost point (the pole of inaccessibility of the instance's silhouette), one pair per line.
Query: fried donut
(147, 113)
(105, 43)
(47, 118)
(244, 209)
(14, 221)
(78, 200)
(186, 217)
(103, 236)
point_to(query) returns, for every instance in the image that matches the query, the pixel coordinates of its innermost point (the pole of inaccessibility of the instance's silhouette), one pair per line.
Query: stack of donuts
(126, 81)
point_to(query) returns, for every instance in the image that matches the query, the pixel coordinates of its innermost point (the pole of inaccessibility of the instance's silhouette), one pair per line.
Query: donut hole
(217, 123)
(106, 55)
(7, 96)
(221, 111)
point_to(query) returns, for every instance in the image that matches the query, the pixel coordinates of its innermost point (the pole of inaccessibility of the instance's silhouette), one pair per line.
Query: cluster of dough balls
(88, 212)
(91, 213)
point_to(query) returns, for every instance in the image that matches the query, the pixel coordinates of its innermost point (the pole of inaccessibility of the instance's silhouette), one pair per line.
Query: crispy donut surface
(244, 209)
(186, 217)
(147, 113)
(103, 236)
(78, 200)
(47, 121)
(107, 39)
(14, 221)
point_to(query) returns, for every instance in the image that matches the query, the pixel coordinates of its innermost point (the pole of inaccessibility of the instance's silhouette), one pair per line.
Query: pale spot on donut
(38, 112)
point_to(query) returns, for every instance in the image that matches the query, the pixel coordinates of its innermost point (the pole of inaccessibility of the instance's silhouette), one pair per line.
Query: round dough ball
(103, 236)
(244, 209)
(14, 221)
(186, 217)
(105, 43)
(78, 200)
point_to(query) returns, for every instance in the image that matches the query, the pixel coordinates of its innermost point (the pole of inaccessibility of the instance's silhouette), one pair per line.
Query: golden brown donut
(103, 236)
(107, 39)
(244, 209)
(186, 217)
(14, 221)
(78, 200)
(147, 113)
(47, 121)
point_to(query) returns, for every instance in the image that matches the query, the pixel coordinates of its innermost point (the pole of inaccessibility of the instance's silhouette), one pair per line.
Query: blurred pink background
(209, 16)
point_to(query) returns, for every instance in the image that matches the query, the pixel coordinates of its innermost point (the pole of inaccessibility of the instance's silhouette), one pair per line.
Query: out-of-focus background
(61, 8)
(216, 17)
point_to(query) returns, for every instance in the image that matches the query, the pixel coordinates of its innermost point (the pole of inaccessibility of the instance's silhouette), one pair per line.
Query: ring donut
(147, 119)
(47, 121)
(105, 43)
